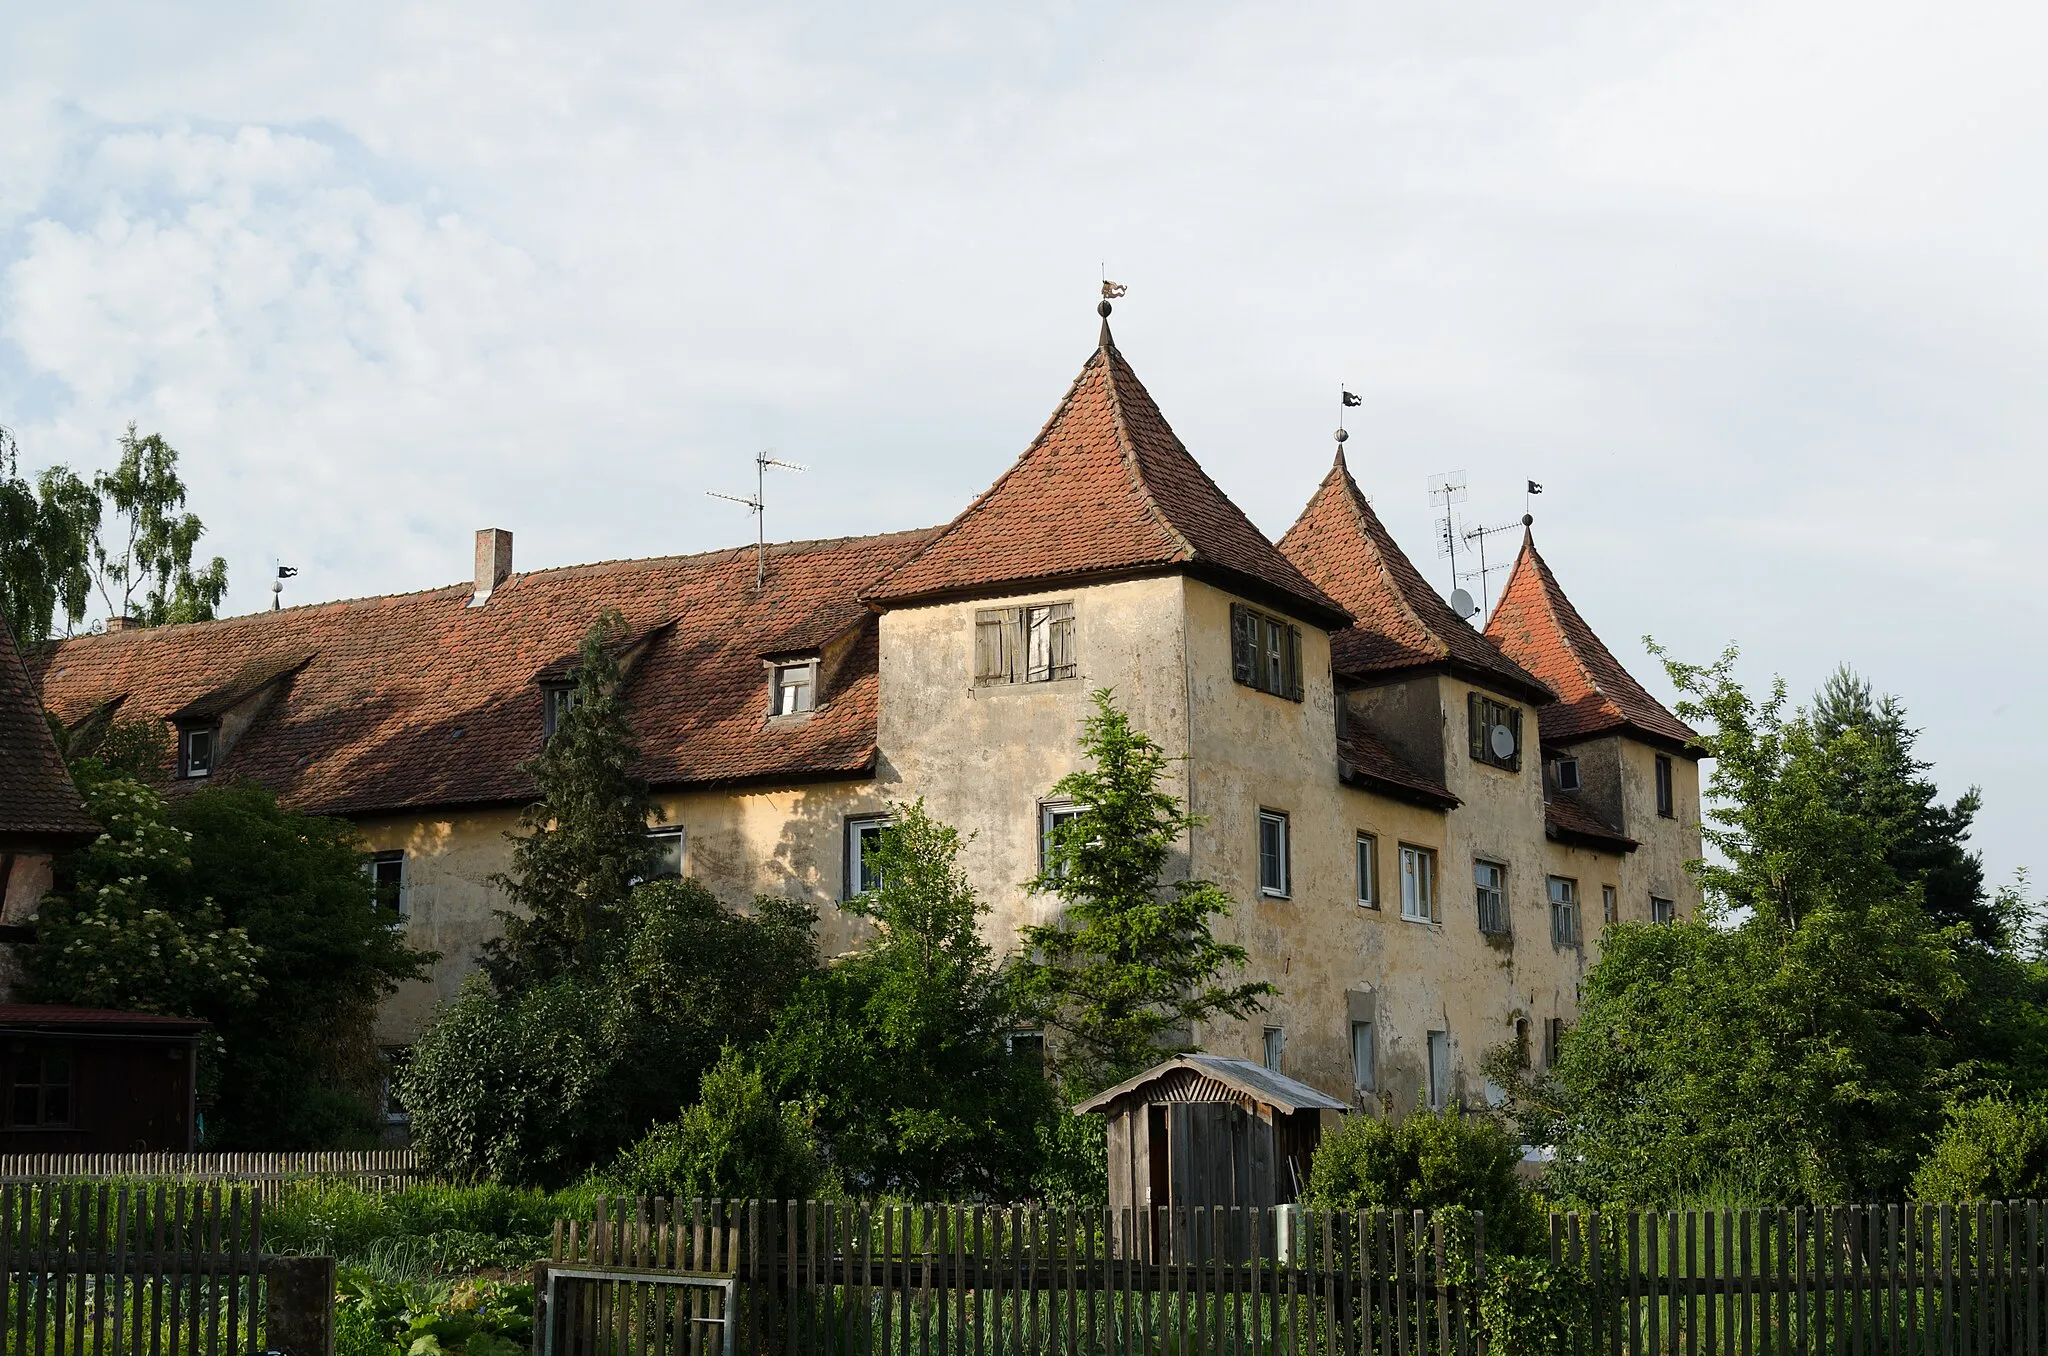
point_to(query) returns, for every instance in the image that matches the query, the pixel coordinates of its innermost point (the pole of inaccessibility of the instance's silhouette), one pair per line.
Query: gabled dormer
(209, 726)
(557, 681)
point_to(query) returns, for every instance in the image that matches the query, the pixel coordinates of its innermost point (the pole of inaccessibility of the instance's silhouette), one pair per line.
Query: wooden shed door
(1158, 1155)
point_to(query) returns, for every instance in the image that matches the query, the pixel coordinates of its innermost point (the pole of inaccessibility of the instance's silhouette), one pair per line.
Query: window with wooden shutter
(1033, 644)
(1265, 652)
(1244, 644)
(1294, 687)
(1496, 731)
(990, 663)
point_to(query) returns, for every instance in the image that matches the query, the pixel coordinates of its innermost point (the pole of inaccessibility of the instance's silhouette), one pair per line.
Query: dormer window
(1265, 652)
(1567, 773)
(795, 688)
(557, 701)
(197, 745)
(1496, 732)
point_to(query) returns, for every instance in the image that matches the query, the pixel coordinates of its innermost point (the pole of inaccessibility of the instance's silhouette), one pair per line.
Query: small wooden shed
(1202, 1130)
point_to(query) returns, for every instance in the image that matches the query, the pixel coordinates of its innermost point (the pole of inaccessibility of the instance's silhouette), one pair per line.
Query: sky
(1754, 290)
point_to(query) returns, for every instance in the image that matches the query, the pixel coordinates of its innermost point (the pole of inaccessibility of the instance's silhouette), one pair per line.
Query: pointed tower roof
(1538, 625)
(39, 805)
(1342, 545)
(1105, 490)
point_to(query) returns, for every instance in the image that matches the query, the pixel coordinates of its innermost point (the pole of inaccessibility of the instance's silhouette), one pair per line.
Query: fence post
(299, 1310)
(542, 1318)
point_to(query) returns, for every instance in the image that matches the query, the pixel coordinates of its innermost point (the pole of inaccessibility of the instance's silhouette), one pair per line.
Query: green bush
(1993, 1148)
(735, 1142)
(1531, 1307)
(1428, 1160)
(422, 1229)
(374, 1316)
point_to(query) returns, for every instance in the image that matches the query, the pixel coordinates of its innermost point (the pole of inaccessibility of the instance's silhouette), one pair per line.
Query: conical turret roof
(1536, 624)
(1402, 623)
(1105, 490)
(39, 805)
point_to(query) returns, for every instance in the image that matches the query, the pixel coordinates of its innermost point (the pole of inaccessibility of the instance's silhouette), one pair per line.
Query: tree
(152, 551)
(584, 841)
(1429, 1160)
(735, 1142)
(1131, 963)
(903, 1047)
(540, 1084)
(46, 534)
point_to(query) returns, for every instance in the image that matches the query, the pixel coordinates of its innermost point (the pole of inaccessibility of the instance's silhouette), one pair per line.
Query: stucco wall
(1657, 867)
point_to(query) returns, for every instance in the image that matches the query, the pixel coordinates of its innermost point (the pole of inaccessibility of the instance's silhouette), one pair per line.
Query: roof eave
(1630, 729)
(1352, 775)
(1617, 843)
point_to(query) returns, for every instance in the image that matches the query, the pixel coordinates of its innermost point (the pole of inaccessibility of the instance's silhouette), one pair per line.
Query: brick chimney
(493, 562)
(120, 624)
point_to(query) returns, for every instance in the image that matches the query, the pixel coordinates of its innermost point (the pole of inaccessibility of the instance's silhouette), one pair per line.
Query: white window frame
(1565, 929)
(1560, 766)
(1437, 1055)
(805, 671)
(209, 733)
(1052, 814)
(557, 700)
(1610, 904)
(1274, 1047)
(1367, 866)
(1365, 1072)
(1499, 891)
(402, 904)
(682, 838)
(1418, 870)
(1667, 913)
(1282, 887)
(1666, 787)
(854, 883)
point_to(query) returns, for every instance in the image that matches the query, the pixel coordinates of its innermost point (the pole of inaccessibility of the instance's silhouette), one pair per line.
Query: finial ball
(1528, 520)
(1342, 436)
(1102, 309)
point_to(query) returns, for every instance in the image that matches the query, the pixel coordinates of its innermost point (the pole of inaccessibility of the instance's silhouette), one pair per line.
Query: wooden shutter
(1294, 689)
(989, 663)
(1514, 714)
(1062, 640)
(1475, 721)
(1244, 644)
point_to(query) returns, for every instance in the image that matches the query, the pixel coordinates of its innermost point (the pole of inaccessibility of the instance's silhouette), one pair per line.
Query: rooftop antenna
(1479, 535)
(762, 461)
(1447, 488)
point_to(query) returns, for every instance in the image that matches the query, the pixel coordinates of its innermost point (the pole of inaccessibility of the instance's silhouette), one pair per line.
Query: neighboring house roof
(419, 700)
(1105, 490)
(39, 806)
(1402, 622)
(1537, 624)
(1570, 820)
(55, 1017)
(1366, 762)
(1216, 1079)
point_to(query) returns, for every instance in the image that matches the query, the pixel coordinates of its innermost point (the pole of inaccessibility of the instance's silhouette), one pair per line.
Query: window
(795, 689)
(1553, 1041)
(1664, 806)
(1610, 904)
(1439, 1069)
(557, 701)
(1496, 730)
(1276, 1046)
(1521, 1042)
(1364, 1070)
(1564, 911)
(1368, 871)
(1032, 644)
(1662, 910)
(1273, 853)
(387, 886)
(1491, 880)
(196, 750)
(1418, 884)
(668, 854)
(1265, 652)
(395, 1110)
(42, 1086)
(1027, 1047)
(1567, 770)
(863, 834)
(1053, 815)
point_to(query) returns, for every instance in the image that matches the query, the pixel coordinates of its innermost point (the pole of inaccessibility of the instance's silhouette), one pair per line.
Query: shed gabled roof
(1402, 623)
(420, 700)
(1239, 1076)
(38, 803)
(1537, 624)
(1104, 490)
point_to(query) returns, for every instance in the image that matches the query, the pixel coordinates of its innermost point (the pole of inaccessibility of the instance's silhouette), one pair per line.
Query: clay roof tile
(38, 802)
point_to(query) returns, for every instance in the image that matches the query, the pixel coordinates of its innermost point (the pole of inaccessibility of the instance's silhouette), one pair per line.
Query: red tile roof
(1105, 489)
(1364, 761)
(1571, 820)
(420, 700)
(54, 1016)
(1402, 622)
(1538, 625)
(38, 804)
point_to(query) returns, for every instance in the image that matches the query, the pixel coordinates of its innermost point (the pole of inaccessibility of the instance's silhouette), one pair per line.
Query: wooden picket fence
(265, 1174)
(660, 1278)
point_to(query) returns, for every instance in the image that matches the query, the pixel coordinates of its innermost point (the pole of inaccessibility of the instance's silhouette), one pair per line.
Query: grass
(421, 1230)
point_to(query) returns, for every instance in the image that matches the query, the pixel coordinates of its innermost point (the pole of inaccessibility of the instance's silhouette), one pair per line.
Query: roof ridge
(1551, 593)
(1380, 539)
(1129, 448)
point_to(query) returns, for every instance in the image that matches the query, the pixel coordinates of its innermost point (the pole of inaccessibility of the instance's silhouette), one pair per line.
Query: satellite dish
(1503, 741)
(1462, 604)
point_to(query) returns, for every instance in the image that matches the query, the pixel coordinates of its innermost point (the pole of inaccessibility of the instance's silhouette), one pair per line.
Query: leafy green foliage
(419, 1229)
(151, 552)
(46, 535)
(584, 840)
(130, 924)
(903, 1046)
(1993, 1148)
(1131, 963)
(538, 1085)
(1428, 1160)
(1532, 1307)
(736, 1141)
(375, 1316)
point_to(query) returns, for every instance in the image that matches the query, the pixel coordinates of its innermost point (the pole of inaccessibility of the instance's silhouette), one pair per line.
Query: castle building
(1424, 827)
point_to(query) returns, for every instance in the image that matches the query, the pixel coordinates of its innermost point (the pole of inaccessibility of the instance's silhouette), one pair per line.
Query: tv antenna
(1447, 488)
(1478, 536)
(762, 461)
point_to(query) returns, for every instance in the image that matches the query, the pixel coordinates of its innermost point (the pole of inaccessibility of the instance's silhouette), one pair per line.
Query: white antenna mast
(1479, 535)
(1445, 489)
(762, 461)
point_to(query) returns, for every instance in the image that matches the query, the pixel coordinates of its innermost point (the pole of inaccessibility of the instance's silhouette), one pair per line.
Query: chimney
(493, 562)
(120, 624)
